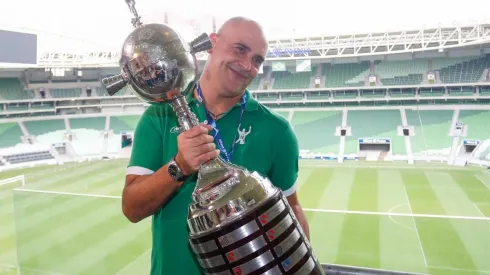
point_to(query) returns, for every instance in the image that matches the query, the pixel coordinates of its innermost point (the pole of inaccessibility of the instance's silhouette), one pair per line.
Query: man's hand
(195, 147)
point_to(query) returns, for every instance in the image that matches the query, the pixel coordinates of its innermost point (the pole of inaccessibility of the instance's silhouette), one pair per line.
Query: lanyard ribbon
(212, 122)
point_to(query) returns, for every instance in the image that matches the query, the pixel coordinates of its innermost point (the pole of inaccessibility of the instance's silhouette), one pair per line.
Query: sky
(104, 24)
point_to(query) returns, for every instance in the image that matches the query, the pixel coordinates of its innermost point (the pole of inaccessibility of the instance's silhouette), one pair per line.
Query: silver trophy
(239, 223)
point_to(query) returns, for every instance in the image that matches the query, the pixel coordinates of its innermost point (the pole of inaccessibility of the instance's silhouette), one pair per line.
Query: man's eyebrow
(260, 57)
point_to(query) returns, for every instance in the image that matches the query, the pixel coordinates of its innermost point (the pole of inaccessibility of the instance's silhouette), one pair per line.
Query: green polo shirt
(270, 148)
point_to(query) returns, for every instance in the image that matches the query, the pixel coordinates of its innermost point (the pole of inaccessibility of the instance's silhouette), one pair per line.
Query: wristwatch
(175, 171)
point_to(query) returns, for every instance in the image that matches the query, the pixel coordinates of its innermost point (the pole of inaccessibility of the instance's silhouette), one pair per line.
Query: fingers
(206, 157)
(196, 131)
(195, 147)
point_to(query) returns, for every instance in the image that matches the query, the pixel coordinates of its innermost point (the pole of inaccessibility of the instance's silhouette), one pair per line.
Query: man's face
(237, 56)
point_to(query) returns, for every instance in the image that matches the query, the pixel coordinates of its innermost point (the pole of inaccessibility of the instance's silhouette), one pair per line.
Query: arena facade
(420, 95)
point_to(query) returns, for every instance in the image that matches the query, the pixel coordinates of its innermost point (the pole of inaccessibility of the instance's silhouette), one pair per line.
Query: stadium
(393, 128)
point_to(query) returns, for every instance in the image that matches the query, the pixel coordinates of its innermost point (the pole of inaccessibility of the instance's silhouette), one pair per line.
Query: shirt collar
(251, 104)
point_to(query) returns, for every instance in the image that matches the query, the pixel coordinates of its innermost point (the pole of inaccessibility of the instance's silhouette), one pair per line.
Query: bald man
(161, 173)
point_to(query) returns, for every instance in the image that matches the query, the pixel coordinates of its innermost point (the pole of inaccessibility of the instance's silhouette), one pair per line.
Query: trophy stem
(187, 119)
(212, 172)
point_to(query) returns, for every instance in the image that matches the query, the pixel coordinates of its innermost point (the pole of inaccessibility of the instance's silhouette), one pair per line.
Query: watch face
(173, 170)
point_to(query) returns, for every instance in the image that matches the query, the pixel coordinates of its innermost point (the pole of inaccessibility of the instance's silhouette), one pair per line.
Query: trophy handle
(115, 83)
(200, 44)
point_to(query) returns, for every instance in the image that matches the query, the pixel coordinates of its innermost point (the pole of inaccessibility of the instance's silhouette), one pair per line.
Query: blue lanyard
(213, 124)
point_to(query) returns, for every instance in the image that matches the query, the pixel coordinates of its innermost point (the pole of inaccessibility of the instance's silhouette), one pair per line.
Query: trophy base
(268, 240)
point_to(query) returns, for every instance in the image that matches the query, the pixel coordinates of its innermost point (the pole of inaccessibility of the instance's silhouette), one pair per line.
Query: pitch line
(481, 213)
(415, 224)
(397, 214)
(484, 183)
(397, 223)
(68, 193)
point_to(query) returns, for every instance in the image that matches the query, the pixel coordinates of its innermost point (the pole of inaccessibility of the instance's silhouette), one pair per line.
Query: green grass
(347, 208)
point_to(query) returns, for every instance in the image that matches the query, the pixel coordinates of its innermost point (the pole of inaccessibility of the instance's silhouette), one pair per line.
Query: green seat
(10, 134)
(431, 130)
(316, 130)
(374, 124)
(95, 123)
(478, 122)
(44, 126)
(121, 124)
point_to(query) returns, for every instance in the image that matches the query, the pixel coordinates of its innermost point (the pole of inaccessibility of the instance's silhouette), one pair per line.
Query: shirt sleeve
(147, 143)
(284, 164)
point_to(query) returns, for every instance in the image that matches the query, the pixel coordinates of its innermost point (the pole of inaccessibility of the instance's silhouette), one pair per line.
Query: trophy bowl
(157, 63)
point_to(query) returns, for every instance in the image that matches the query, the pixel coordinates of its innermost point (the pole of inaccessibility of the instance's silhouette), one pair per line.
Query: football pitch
(430, 219)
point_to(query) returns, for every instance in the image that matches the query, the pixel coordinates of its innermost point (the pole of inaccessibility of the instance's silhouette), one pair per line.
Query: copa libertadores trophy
(239, 222)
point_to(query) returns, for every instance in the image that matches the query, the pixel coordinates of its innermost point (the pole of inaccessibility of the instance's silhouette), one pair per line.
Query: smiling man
(161, 174)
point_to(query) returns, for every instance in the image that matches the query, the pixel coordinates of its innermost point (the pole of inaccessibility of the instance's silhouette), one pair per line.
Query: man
(264, 142)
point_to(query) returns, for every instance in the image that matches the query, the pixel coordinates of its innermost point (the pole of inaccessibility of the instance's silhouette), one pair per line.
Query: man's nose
(246, 64)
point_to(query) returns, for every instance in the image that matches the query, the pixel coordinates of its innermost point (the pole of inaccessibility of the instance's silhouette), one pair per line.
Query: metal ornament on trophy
(239, 222)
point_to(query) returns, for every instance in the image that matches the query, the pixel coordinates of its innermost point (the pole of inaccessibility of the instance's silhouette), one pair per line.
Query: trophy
(239, 222)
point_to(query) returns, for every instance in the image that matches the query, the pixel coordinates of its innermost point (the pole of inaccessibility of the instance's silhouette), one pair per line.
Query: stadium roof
(95, 25)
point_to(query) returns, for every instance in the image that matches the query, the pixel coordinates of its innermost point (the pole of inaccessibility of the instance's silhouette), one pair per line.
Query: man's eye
(240, 49)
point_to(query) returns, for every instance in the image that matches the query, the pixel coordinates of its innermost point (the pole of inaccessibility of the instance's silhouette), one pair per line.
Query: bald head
(238, 51)
(234, 23)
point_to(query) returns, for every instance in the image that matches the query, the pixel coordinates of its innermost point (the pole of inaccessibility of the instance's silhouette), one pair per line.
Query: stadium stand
(66, 93)
(40, 127)
(316, 130)
(408, 72)
(465, 71)
(96, 123)
(87, 142)
(431, 131)
(10, 134)
(121, 124)
(11, 89)
(289, 80)
(374, 124)
(339, 75)
(26, 153)
(478, 123)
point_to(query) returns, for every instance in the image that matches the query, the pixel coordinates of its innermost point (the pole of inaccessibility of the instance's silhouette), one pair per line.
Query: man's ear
(213, 37)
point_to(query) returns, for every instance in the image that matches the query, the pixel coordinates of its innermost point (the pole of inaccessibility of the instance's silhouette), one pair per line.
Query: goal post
(20, 178)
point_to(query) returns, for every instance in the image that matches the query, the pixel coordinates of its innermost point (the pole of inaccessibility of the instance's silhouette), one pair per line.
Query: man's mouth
(237, 73)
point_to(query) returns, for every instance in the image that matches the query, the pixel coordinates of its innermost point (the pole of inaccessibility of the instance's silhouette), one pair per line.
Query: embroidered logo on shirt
(175, 130)
(242, 134)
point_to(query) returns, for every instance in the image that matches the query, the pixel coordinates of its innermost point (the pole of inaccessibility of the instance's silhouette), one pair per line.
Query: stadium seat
(96, 123)
(467, 70)
(66, 93)
(124, 123)
(11, 89)
(292, 80)
(431, 131)
(10, 134)
(316, 130)
(374, 124)
(403, 72)
(339, 75)
(40, 127)
(478, 122)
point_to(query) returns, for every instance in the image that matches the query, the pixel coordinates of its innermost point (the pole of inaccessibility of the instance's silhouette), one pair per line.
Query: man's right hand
(195, 147)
